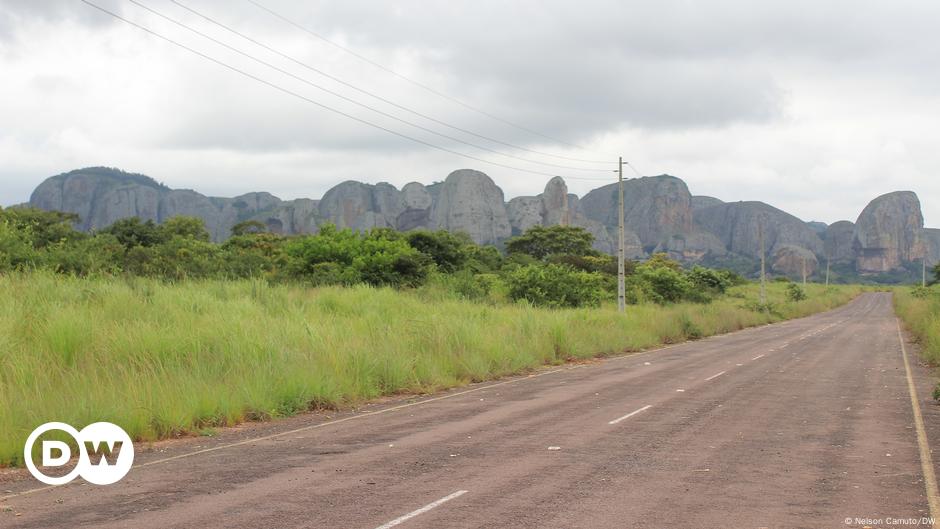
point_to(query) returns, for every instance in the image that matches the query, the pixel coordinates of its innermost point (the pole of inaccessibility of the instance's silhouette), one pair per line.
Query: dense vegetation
(547, 266)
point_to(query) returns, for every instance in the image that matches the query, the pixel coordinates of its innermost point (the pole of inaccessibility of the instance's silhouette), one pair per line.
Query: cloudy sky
(814, 107)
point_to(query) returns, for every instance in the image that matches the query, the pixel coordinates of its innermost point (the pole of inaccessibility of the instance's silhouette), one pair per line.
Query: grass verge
(168, 359)
(919, 309)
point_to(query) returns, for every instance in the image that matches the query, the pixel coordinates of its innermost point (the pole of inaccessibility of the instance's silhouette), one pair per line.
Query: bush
(254, 254)
(42, 228)
(16, 251)
(132, 232)
(604, 264)
(483, 259)
(444, 248)
(663, 284)
(542, 241)
(713, 281)
(795, 292)
(377, 258)
(556, 286)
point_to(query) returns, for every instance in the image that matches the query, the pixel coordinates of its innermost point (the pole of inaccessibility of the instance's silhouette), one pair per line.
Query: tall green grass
(920, 310)
(165, 359)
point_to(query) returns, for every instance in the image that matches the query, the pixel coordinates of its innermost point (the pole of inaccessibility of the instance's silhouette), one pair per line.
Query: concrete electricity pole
(760, 235)
(621, 288)
(827, 270)
(804, 271)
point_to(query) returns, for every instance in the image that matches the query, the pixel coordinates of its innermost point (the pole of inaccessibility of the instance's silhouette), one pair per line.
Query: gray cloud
(758, 100)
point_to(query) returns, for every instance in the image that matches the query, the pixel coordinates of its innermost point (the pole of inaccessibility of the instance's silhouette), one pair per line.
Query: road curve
(806, 423)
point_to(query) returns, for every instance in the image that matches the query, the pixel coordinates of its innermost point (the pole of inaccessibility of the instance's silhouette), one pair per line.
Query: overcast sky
(814, 107)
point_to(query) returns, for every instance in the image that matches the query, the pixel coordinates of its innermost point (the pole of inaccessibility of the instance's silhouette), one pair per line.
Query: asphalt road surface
(807, 423)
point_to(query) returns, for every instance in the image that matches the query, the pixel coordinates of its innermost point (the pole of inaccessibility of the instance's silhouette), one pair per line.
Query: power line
(379, 97)
(317, 103)
(422, 85)
(351, 100)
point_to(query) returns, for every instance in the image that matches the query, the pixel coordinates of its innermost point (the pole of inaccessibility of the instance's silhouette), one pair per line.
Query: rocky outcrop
(291, 217)
(887, 233)
(555, 206)
(838, 242)
(931, 238)
(819, 228)
(692, 247)
(736, 224)
(655, 208)
(470, 202)
(660, 216)
(361, 206)
(702, 201)
(793, 261)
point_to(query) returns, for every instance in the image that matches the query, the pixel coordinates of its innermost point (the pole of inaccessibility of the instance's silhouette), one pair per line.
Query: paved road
(799, 424)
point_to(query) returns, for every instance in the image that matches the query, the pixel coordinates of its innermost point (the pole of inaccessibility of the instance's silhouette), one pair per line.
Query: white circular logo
(105, 453)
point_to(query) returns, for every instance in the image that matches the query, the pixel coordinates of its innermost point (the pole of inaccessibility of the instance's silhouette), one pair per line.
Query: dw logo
(105, 453)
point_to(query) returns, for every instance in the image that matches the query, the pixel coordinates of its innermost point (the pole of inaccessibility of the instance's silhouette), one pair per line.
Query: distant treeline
(546, 266)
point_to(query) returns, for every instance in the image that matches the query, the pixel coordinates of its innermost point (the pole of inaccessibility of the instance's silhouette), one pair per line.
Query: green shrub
(16, 250)
(377, 258)
(254, 254)
(542, 241)
(663, 284)
(444, 248)
(795, 292)
(550, 285)
(707, 279)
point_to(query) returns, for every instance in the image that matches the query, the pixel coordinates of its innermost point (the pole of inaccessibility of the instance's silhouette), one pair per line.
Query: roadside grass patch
(170, 359)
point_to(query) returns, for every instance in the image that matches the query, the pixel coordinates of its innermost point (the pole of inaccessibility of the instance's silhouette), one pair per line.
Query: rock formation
(660, 213)
(838, 242)
(470, 202)
(793, 261)
(702, 201)
(887, 233)
(931, 238)
(736, 226)
(655, 208)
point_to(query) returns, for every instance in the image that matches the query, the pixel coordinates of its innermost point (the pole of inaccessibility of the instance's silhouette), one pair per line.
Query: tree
(556, 286)
(42, 228)
(662, 260)
(542, 241)
(445, 249)
(185, 227)
(377, 258)
(247, 227)
(131, 232)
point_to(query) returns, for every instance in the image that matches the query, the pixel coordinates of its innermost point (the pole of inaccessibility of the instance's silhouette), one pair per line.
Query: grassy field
(921, 314)
(167, 359)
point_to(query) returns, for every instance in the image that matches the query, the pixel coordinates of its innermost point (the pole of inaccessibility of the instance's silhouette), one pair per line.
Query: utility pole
(923, 271)
(827, 269)
(760, 235)
(621, 289)
(804, 271)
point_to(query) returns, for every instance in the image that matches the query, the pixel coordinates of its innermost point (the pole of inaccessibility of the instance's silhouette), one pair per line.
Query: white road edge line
(631, 414)
(716, 375)
(422, 510)
(758, 356)
(926, 463)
